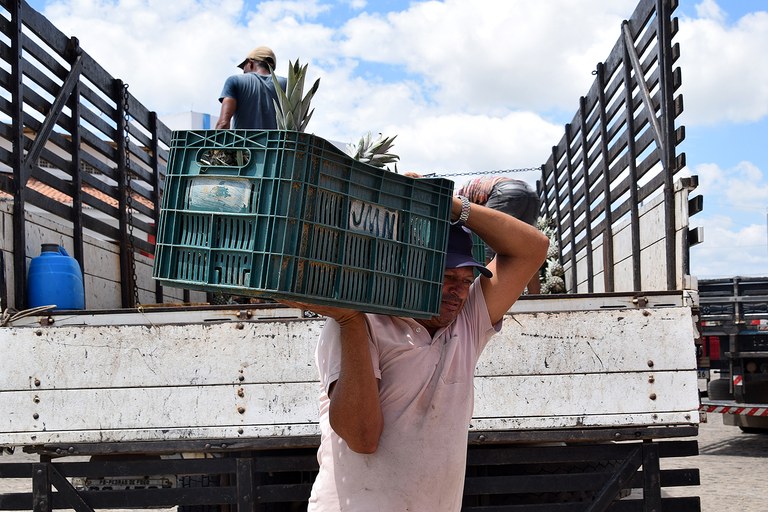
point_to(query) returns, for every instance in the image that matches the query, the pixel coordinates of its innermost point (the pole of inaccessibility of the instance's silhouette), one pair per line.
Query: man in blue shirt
(247, 100)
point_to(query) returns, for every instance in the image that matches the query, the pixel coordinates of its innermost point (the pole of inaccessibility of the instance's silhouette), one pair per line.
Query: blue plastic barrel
(55, 278)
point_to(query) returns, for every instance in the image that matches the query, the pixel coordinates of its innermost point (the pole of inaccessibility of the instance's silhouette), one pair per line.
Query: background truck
(734, 350)
(150, 397)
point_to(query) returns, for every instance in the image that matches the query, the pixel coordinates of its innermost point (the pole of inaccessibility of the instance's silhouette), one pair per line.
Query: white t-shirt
(427, 396)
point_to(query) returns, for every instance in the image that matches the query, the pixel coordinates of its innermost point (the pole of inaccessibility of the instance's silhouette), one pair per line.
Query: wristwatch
(464, 215)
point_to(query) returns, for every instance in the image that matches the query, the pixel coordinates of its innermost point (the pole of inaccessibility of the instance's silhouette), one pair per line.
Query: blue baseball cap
(459, 252)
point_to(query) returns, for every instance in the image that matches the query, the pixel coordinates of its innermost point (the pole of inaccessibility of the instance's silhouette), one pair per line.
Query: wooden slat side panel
(48, 63)
(628, 147)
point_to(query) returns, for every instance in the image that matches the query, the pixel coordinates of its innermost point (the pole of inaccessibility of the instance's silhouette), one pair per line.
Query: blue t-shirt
(254, 94)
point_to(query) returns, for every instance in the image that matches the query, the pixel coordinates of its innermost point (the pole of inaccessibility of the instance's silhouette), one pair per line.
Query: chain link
(129, 198)
(480, 173)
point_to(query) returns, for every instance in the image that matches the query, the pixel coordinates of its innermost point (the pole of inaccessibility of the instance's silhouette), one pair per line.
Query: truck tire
(719, 389)
(754, 430)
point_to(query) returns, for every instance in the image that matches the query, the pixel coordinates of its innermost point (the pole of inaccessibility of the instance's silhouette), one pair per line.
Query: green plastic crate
(478, 248)
(288, 215)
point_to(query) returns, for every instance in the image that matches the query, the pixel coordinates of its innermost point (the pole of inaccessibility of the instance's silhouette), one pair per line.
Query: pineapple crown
(291, 109)
(374, 151)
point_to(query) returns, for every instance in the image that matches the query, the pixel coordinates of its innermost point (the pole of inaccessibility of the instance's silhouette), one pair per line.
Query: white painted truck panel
(239, 380)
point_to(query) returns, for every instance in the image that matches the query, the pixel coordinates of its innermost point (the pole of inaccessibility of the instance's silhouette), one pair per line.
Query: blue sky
(466, 85)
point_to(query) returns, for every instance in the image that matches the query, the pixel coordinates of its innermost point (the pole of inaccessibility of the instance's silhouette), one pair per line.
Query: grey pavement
(733, 468)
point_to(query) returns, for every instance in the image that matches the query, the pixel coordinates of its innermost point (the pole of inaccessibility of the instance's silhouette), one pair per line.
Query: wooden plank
(590, 421)
(98, 129)
(502, 403)
(652, 259)
(112, 357)
(100, 262)
(652, 239)
(102, 291)
(97, 103)
(160, 408)
(258, 379)
(550, 343)
(233, 434)
(603, 341)
(586, 395)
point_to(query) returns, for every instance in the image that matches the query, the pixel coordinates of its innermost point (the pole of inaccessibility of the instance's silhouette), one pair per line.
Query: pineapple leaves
(372, 151)
(291, 110)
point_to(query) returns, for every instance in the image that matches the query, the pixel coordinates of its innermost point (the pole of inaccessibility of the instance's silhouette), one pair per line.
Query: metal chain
(478, 173)
(129, 198)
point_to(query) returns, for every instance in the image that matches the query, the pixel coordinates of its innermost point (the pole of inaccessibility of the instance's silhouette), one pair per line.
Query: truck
(151, 396)
(733, 356)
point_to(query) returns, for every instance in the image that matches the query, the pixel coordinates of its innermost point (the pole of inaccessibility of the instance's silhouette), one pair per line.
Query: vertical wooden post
(126, 249)
(20, 176)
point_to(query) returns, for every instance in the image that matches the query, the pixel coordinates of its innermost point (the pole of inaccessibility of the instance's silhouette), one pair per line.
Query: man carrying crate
(398, 394)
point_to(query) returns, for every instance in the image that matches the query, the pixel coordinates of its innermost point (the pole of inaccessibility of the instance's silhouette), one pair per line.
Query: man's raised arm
(520, 250)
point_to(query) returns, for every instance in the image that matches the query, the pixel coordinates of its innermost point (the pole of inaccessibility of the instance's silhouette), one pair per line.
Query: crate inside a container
(288, 215)
(478, 248)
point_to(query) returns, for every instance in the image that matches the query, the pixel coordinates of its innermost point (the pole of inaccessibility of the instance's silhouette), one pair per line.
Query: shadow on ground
(739, 445)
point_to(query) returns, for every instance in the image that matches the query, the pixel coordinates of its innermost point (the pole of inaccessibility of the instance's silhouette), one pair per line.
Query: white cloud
(483, 58)
(279, 10)
(746, 188)
(466, 86)
(733, 220)
(711, 178)
(710, 10)
(459, 143)
(494, 55)
(725, 72)
(173, 54)
(740, 188)
(357, 5)
(728, 249)
(171, 58)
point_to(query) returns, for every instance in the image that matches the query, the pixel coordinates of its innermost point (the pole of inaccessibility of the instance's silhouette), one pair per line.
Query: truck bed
(248, 375)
